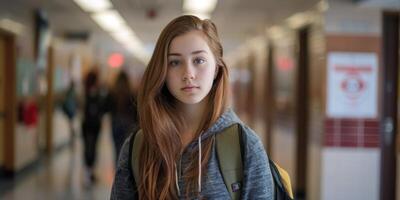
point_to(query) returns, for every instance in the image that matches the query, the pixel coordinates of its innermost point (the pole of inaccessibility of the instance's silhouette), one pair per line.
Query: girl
(182, 107)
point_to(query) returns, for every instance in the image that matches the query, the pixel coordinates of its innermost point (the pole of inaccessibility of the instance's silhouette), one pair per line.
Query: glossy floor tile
(63, 176)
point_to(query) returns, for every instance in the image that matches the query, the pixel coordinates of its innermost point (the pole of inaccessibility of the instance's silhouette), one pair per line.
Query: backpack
(230, 162)
(69, 104)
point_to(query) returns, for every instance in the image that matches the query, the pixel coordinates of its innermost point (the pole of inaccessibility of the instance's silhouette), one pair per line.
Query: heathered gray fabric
(257, 182)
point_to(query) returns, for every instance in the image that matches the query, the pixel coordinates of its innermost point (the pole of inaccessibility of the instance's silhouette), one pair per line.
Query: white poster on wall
(352, 85)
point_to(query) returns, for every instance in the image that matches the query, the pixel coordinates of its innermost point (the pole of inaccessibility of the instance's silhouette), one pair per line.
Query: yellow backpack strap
(285, 178)
(228, 149)
(282, 178)
(136, 146)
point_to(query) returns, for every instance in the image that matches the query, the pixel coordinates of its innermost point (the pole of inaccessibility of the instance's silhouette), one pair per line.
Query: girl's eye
(198, 61)
(173, 63)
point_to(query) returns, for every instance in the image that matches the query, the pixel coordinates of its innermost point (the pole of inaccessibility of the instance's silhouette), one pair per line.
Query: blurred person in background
(91, 122)
(182, 107)
(121, 103)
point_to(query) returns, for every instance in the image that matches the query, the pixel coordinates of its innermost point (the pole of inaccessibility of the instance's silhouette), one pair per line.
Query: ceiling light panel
(110, 20)
(94, 5)
(199, 6)
(199, 15)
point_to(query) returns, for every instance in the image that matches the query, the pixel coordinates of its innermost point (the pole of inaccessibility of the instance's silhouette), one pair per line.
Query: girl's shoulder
(249, 136)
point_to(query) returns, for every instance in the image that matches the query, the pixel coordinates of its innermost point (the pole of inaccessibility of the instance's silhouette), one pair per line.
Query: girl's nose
(188, 74)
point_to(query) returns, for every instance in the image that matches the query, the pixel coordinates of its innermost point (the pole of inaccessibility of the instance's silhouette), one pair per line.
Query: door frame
(10, 99)
(269, 96)
(302, 115)
(390, 69)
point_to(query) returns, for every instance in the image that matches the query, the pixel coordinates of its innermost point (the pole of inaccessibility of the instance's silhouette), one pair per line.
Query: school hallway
(62, 176)
(317, 80)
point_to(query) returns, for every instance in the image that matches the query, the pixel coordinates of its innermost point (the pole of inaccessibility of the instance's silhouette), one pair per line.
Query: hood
(225, 120)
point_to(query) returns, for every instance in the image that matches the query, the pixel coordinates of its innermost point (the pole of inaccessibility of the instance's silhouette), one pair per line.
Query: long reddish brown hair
(160, 121)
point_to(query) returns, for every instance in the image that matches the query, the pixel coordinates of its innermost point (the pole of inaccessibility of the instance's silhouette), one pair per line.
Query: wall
(25, 145)
(350, 174)
(64, 61)
(26, 141)
(316, 106)
(352, 139)
(71, 59)
(258, 53)
(283, 133)
(351, 155)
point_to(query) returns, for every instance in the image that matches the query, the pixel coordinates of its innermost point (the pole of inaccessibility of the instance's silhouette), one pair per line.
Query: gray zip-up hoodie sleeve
(124, 184)
(257, 183)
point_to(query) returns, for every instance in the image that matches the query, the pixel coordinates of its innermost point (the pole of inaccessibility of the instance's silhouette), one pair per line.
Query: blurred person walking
(92, 116)
(121, 103)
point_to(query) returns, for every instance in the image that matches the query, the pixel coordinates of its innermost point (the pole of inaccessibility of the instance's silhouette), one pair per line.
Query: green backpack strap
(136, 146)
(230, 159)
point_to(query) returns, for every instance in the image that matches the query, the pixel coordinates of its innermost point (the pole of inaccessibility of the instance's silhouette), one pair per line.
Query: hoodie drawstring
(176, 181)
(198, 178)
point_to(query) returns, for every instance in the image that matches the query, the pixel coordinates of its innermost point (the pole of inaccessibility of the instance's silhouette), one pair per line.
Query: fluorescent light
(11, 25)
(94, 5)
(126, 38)
(199, 15)
(122, 34)
(199, 6)
(110, 20)
(132, 43)
(122, 29)
(134, 48)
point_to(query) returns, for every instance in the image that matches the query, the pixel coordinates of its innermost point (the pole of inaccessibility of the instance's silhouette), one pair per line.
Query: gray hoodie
(257, 180)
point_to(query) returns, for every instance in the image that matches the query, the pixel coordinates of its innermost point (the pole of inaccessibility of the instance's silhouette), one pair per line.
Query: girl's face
(191, 68)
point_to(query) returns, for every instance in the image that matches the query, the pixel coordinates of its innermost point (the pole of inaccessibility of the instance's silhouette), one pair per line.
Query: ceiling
(237, 20)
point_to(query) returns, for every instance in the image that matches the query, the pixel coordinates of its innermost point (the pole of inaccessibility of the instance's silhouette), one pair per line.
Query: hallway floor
(63, 175)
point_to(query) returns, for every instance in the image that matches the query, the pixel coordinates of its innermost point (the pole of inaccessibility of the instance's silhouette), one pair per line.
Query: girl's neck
(192, 116)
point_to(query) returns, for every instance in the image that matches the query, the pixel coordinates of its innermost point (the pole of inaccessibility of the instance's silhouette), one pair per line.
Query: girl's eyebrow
(194, 52)
(199, 51)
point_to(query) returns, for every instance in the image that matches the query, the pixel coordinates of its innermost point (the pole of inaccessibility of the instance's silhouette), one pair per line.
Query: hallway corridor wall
(351, 154)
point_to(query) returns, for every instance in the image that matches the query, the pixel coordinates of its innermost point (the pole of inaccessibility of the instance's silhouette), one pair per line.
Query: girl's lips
(189, 88)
